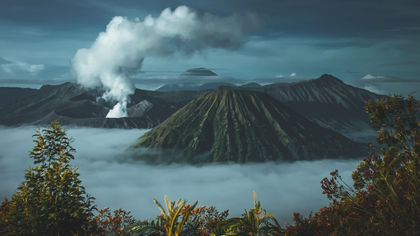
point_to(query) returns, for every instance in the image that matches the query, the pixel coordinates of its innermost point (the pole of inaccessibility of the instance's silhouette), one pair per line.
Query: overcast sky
(347, 38)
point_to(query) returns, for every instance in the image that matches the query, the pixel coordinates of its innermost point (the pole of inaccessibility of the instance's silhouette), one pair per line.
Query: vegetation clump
(385, 197)
(51, 200)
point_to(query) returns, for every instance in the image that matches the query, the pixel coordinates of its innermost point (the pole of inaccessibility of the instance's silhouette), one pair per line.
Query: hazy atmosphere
(282, 188)
(370, 44)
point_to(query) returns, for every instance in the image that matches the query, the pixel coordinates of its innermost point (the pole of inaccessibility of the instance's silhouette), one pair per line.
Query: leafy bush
(171, 217)
(151, 228)
(113, 224)
(255, 222)
(51, 200)
(183, 219)
(385, 198)
(210, 220)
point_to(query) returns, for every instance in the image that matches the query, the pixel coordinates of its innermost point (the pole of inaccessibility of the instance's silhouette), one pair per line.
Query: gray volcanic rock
(35, 107)
(214, 85)
(100, 122)
(12, 94)
(328, 102)
(232, 125)
(139, 109)
(71, 104)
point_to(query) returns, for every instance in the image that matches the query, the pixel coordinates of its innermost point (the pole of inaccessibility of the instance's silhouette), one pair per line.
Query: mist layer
(101, 153)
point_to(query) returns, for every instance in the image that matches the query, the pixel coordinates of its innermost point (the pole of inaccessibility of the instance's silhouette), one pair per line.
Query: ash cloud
(282, 188)
(119, 52)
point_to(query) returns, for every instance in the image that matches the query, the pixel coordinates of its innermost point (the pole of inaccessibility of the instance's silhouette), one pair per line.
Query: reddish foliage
(385, 199)
(113, 224)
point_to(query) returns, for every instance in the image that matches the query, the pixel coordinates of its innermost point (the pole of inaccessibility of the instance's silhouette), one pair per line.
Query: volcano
(233, 125)
(199, 72)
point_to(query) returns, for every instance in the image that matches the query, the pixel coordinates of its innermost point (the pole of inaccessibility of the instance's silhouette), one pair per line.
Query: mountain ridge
(72, 104)
(327, 101)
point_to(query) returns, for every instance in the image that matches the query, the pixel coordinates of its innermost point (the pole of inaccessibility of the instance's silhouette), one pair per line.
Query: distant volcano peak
(328, 77)
(200, 71)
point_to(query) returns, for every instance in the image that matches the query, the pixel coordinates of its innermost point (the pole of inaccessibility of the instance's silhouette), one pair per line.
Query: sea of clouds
(101, 153)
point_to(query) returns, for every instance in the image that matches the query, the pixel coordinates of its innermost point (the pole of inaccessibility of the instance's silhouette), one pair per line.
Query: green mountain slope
(241, 126)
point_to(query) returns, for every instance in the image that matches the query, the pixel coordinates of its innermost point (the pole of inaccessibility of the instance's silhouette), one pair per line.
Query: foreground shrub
(115, 223)
(186, 220)
(211, 221)
(255, 222)
(51, 200)
(174, 218)
(385, 197)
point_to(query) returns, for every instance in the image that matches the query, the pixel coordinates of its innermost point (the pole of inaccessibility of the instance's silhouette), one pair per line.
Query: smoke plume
(119, 52)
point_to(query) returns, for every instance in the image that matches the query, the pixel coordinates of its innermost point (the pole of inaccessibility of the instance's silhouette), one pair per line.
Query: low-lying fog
(282, 188)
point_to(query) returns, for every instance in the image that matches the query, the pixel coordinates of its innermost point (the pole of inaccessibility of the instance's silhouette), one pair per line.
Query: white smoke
(119, 52)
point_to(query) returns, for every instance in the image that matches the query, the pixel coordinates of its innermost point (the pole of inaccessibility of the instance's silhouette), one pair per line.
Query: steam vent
(231, 125)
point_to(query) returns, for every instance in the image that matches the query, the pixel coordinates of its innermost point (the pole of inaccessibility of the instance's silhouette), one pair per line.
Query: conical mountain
(199, 72)
(232, 125)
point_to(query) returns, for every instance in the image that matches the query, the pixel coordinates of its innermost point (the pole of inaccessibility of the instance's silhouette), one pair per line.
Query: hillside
(231, 125)
(13, 94)
(327, 101)
(72, 104)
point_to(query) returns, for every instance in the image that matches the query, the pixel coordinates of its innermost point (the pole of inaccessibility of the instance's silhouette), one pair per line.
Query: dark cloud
(330, 17)
(326, 36)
